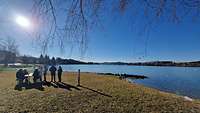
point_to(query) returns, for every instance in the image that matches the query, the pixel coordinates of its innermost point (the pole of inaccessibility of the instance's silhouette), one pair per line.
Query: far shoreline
(133, 65)
(159, 63)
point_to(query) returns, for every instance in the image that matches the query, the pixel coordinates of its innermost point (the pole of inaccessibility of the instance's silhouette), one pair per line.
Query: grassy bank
(97, 94)
(14, 68)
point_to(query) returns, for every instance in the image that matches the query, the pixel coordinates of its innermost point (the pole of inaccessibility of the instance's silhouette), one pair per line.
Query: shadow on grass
(101, 93)
(49, 84)
(37, 86)
(61, 85)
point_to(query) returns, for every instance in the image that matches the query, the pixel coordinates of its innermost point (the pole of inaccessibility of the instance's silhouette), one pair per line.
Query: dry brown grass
(97, 94)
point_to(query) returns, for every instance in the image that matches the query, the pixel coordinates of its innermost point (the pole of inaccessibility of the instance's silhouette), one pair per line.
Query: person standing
(60, 73)
(41, 70)
(53, 69)
(45, 72)
(25, 73)
(36, 75)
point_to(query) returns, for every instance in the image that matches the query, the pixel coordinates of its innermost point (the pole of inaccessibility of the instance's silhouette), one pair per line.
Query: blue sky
(119, 40)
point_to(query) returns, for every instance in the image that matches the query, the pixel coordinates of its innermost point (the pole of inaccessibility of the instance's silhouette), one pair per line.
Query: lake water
(180, 80)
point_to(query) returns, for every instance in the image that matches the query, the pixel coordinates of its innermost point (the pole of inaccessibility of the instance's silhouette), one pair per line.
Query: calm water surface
(180, 80)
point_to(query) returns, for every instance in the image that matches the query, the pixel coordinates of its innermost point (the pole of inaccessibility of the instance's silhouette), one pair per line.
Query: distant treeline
(159, 63)
(46, 60)
(9, 57)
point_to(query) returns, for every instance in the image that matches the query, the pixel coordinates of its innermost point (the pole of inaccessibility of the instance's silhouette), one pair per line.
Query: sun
(23, 21)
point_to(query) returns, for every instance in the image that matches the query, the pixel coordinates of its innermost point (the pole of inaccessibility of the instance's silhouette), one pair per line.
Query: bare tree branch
(79, 16)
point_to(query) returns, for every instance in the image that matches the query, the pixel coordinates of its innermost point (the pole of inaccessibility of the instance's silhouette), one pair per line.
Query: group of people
(53, 70)
(40, 71)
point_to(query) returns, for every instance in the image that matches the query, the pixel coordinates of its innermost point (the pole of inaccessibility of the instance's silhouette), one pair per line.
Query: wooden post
(78, 78)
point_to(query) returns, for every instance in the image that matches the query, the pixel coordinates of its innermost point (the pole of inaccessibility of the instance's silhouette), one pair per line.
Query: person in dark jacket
(53, 69)
(36, 75)
(25, 72)
(60, 73)
(20, 78)
(20, 75)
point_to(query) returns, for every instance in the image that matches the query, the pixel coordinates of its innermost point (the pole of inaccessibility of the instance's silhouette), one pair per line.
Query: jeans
(53, 76)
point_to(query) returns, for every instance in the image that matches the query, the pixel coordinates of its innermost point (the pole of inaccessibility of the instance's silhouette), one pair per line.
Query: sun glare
(23, 21)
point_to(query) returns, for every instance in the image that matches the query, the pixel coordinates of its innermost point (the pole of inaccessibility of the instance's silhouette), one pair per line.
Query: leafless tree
(9, 50)
(76, 22)
(69, 21)
(79, 16)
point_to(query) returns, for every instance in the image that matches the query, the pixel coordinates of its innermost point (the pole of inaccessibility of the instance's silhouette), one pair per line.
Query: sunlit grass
(97, 94)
